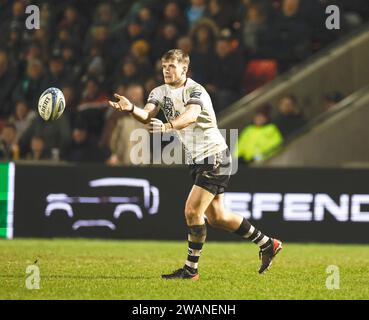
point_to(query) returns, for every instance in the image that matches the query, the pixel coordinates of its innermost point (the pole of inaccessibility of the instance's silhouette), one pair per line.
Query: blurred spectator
(71, 98)
(9, 148)
(17, 17)
(291, 34)
(100, 36)
(41, 40)
(148, 22)
(139, 53)
(98, 46)
(185, 44)
(289, 118)
(165, 40)
(37, 150)
(92, 107)
(12, 42)
(96, 69)
(203, 37)
(127, 73)
(7, 83)
(314, 14)
(73, 23)
(195, 11)
(31, 86)
(124, 40)
(331, 99)
(72, 66)
(47, 17)
(135, 93)
(112, 117)
(226, 80)
(56, 135)
(94, 64)
(93, 97)
(32, 52)
(259, 140)
(63, 38)
(121, 142)
(22, 117)
(83, 148)
(55, 75)
(254, 30)
(173, 15)
(105, 15)
(221, 12)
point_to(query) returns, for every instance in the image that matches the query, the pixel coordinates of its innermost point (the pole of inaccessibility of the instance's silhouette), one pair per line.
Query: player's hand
(157, 125)
(123, 104)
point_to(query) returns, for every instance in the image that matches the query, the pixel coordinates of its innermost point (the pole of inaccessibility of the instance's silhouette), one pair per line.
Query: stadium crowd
(91, 49)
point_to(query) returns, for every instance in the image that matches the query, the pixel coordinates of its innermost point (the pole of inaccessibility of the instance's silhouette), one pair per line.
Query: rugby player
(189, 112)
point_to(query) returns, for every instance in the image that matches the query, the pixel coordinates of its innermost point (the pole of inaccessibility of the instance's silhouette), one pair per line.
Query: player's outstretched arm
(142, 115)
(184, 120)
(188, 117)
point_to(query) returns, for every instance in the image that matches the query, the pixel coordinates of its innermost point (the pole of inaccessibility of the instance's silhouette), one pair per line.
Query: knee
(191, 213)
(216, 219)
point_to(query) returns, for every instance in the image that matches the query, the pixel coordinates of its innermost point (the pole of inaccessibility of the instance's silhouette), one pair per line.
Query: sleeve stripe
(153, 101)
(195, 101)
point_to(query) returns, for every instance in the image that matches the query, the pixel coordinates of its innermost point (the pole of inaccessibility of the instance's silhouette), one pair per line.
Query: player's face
(174, 72)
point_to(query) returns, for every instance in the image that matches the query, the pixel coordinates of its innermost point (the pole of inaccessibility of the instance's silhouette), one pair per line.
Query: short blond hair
(176, 54)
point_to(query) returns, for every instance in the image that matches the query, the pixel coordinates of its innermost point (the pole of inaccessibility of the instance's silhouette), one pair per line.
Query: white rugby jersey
(202, 138)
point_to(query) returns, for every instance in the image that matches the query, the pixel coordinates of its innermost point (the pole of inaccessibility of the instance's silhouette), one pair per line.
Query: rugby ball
(51, 104)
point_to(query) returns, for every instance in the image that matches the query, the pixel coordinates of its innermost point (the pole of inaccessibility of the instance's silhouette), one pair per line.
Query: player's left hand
(157, 125)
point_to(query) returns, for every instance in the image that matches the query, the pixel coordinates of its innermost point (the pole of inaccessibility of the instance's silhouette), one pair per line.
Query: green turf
(98, 269)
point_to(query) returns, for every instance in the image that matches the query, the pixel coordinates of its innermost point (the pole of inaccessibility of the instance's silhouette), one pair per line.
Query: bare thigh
(197, 202)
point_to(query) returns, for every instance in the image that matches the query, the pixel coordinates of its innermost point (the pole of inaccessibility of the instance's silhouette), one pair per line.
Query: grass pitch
(105, 269)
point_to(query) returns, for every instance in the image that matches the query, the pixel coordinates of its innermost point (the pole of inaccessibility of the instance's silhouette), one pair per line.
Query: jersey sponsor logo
(168, 108)
(195, 94)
